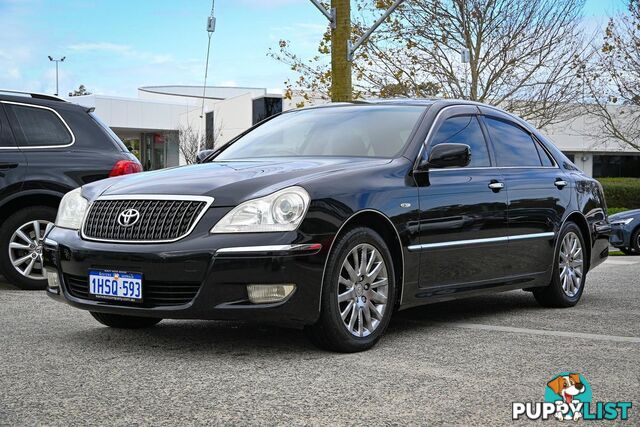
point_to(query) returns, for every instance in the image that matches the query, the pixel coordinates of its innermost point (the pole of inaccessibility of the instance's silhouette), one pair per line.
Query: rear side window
(464, 130)
(544, 156)
(513, 146)
(34, 127)
(4, 137)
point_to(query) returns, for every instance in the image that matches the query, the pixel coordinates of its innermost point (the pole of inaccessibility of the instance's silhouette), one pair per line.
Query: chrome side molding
(414, 248)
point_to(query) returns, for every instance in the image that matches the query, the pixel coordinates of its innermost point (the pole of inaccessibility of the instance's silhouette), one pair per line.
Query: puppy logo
(569, 387)
(568, 396)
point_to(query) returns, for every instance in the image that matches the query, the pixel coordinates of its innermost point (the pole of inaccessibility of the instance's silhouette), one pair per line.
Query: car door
(13, 163)
(463, 211)
(537, 189)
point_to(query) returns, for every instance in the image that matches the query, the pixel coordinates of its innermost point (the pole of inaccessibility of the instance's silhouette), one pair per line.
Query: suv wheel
(21, 236)
(125, 322)
(569, 271)
(358, 295)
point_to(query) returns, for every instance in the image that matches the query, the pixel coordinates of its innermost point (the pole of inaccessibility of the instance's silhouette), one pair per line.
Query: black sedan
(625, 233)
(333, 217)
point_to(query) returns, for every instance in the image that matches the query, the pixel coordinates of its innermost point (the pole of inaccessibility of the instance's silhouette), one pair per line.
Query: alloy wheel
(25, 249)
(571, 264)
(363, 287)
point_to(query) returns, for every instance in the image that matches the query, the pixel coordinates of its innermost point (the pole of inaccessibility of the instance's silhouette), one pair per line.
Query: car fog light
(261, 294)
(53, 280)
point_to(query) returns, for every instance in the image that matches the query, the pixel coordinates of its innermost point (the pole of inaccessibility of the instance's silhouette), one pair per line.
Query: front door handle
(496, 185)
(561, 183)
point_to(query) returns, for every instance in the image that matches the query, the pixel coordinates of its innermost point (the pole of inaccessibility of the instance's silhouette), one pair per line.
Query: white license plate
(115, 285)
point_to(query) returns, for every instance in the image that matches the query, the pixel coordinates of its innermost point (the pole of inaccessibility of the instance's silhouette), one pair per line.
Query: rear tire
(26, 275)
(358, 296)
(569, 271)
(627, 251)
(125, 322)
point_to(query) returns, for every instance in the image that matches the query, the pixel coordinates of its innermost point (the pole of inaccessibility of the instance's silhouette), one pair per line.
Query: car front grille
(156, 220)
(154, 294)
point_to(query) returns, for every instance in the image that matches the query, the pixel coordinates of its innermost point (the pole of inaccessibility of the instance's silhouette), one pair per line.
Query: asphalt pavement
(455, 363)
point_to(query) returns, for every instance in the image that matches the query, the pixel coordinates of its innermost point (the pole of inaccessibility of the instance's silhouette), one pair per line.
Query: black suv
(48, 146)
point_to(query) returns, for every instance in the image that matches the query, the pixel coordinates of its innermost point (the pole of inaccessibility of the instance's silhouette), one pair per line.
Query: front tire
(125, 322)
(21, 237)
(569, 272)
(358, 295)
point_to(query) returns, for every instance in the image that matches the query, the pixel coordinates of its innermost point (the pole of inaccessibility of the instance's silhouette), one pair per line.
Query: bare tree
(612, 78)
(191, 141)
(522, 54)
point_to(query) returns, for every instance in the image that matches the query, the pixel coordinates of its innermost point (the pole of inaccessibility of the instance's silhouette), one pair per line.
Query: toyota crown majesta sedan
(331, 218)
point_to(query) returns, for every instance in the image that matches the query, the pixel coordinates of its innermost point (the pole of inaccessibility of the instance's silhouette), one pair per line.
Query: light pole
(56, 61)
(465, 58)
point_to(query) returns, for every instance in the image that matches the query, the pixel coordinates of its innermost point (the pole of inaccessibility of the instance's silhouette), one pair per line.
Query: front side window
(464, 130)
(359, 131)
(514, 147)
(36, 127)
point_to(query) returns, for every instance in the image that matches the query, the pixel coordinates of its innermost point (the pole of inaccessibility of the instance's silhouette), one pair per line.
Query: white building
(149, 125)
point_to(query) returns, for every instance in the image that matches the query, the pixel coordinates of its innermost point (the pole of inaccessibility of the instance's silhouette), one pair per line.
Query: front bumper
(619, 237)
(199, 277)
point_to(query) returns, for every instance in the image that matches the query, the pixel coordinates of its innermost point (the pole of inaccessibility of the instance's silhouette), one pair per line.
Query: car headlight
(622, 221)
(280, 211)
(71, 210)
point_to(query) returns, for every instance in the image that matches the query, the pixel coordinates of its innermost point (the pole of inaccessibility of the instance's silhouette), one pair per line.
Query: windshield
(362, 131)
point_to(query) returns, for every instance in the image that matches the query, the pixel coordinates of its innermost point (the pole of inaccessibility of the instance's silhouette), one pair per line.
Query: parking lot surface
(457, 363)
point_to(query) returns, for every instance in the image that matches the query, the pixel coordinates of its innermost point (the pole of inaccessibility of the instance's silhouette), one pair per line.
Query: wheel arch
(29, 198)
(579, 219)
(370, 218)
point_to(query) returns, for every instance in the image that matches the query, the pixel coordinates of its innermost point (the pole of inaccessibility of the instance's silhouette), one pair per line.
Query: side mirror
(448, 156)
(203, 154)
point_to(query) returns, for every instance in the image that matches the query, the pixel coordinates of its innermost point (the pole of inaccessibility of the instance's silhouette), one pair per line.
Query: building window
(266, 107)
(209, 130)
(571, 157)
(616, 166)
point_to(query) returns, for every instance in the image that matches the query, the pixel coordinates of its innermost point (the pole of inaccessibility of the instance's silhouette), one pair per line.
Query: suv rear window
(34, 126)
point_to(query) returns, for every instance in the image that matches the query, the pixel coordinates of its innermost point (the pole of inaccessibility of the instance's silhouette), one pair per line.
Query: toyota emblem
(128, 217)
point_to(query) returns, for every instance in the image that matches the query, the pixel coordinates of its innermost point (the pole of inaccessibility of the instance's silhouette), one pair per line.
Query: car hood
(626, 214)
(232, 182)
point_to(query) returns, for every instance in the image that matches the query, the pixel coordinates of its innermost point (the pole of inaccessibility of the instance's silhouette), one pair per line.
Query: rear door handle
(8, 165)
(561, 183)
(496, 186)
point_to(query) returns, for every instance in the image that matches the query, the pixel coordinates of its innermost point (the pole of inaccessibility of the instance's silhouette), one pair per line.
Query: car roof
(38, 99)
(422, 102)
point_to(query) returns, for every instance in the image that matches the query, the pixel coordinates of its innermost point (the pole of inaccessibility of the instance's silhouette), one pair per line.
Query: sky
(115, 46)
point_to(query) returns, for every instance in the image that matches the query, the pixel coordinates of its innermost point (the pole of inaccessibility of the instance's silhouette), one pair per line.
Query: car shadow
(240, 339)
(472, 308)
(251, 339)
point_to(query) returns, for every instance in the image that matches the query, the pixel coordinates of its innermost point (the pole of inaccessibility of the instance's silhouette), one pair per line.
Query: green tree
(80, 91)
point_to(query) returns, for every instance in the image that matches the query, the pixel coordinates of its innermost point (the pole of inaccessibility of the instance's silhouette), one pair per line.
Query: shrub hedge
(621, 192)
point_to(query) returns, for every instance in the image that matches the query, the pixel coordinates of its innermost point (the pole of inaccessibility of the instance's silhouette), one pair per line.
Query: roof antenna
(211, 27)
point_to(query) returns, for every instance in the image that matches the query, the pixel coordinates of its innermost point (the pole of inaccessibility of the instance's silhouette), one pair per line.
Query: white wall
(131, 113)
